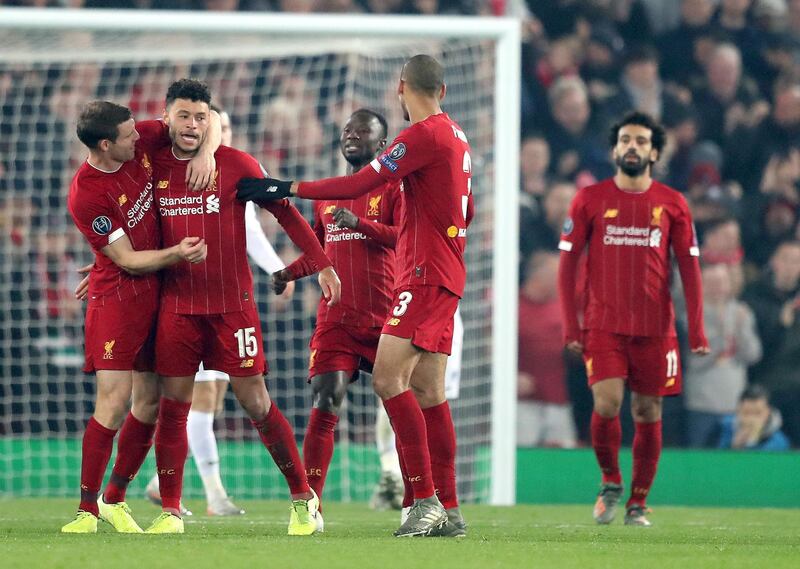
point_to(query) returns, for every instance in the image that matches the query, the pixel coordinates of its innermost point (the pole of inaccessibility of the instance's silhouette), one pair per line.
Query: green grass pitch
(357, 538)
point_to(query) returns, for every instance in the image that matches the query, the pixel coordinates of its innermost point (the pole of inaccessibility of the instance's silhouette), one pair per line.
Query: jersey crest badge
(123, 199)
(374, 205)
(212, 186)
(329, 209)
(146, 165)
(655, 218)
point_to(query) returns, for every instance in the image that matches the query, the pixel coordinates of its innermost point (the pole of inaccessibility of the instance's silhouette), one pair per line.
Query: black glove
(262, 190)
(345, 218)
(279, 282)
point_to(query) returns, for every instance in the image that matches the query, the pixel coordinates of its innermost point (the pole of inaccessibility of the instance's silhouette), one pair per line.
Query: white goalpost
(288, 81)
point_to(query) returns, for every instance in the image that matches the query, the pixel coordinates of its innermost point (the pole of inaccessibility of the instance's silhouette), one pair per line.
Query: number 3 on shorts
(248, 345)
(404, 298)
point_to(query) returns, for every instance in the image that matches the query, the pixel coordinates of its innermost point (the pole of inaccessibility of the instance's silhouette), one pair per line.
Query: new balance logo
(272, 189)
(212, 204)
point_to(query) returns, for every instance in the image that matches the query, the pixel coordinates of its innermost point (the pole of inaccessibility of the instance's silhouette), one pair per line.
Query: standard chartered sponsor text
(141, 206)
(183, 205)
(627, 235)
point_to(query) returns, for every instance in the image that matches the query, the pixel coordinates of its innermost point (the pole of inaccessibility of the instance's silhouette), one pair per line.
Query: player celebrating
(359, 236)
(111, 202)
(629, 223)
(211, 385)
(432, 158)
(209, 314)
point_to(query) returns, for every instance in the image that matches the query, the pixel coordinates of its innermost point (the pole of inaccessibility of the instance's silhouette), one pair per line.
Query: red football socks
(97, 444)
(646, 452)
(278, 437)
(135, 440)
(606, 440)
(442, 447)
(172, 448)
(408, 423)
(318, 447)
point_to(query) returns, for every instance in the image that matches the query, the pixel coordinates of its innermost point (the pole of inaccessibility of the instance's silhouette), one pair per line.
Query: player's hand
(345, 218)
(280, 280)
(263, 190)
(701, 350)
(575, 347)
(82, 290)
(193, 249)
(331, 285)
(200, 171)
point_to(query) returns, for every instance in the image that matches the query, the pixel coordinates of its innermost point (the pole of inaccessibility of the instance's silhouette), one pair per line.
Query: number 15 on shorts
(248, 343)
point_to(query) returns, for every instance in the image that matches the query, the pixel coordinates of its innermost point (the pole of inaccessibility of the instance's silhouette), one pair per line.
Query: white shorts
(452, 373)
(545, 424)
(210, 375)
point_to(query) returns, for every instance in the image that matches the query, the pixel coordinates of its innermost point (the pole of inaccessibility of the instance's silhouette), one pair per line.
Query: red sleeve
(100, 223)
(343, 187)
(567, 281)
(684, 245)
(573, 240)
(299, 232)
(302, 267)
(153, 135)
(413, 148)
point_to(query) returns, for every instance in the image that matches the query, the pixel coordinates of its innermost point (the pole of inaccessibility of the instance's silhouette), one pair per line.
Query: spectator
(599, 68)
(575, 141)
(756, 425)
(747, 157)
(733, 18)
(544, 414)
(542, 233)
(677, 47)
(641, 88)
(713, 384)
(728, 100)
(682, 131)
(776, 304)
(722, 243)
(534, 162)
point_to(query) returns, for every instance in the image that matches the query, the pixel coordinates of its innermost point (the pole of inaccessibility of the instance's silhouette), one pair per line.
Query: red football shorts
(230, 342)
(343, 348)
(120, 335)
(650, 365)
(425, 315)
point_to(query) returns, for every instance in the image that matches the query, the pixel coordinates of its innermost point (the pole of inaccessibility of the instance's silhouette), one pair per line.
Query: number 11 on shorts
(248, 346)
(672, 363)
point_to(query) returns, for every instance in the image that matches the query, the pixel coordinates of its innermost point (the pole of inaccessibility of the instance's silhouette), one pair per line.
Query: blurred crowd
(724, 78)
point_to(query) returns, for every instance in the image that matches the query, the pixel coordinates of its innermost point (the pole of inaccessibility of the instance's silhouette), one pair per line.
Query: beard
(632, 169)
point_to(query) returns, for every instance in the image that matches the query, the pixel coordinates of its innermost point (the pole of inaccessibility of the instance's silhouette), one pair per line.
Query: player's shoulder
(668, 193)
(228, 156)
(594, 191)
(87, 180)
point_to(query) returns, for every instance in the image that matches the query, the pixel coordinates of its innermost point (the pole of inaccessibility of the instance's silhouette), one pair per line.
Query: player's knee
(387, 386)
(607, 407)
(329, 392)
(429, 395)
(145, 411)
(111, 411)
(646, 410)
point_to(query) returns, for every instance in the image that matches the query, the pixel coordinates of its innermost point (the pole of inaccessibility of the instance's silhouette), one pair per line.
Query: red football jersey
(363, 257)
(223, 282)
(107, 205)
(432, 158)
(628, 271)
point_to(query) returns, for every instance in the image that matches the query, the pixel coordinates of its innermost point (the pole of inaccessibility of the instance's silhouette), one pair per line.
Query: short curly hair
(190, 89)
(658, 137)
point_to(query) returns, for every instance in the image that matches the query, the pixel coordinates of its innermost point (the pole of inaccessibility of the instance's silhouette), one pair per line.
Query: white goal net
(288, 92)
